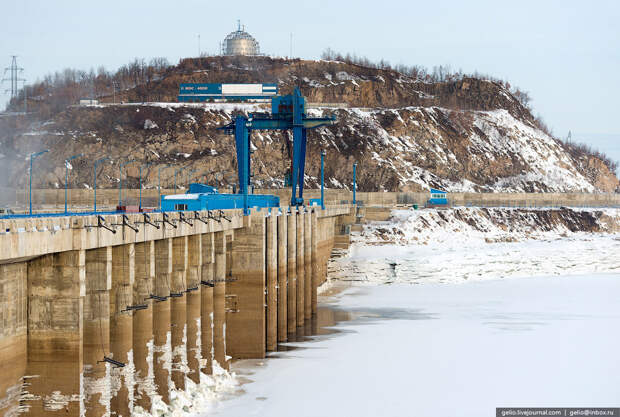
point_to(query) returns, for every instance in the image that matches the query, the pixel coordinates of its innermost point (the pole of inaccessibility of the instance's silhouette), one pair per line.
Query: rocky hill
(406, 134)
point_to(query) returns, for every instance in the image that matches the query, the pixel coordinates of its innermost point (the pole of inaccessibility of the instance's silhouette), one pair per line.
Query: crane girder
(288, 113)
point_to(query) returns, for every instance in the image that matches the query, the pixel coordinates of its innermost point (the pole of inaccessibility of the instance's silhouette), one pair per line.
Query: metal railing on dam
(101, 313)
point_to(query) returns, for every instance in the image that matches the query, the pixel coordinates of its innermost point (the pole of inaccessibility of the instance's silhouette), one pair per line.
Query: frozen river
(450, 327)
(450, 349)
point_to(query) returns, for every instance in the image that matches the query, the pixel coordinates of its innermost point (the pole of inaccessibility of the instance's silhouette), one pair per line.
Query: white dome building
(240, 42)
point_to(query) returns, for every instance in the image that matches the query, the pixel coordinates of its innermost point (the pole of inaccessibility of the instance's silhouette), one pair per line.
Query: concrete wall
(82, 199)
(167, 299)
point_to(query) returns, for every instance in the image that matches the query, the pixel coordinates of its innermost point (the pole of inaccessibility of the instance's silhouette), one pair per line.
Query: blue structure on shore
(194, 92)
(205, 197)
(438, 198)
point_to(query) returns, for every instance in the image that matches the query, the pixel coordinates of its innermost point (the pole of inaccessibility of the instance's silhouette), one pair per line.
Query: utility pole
(291, 55)
(114, 85)
(198, 45)
(14, 77)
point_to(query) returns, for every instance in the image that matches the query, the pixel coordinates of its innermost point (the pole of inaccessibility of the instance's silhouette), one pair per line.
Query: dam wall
(107, 199)
(103, 314)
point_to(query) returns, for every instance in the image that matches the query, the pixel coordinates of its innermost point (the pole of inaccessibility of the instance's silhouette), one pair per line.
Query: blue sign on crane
(287, 112)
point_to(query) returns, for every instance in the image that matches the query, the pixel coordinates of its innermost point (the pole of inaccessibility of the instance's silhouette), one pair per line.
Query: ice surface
(456, 326)
(439, 350)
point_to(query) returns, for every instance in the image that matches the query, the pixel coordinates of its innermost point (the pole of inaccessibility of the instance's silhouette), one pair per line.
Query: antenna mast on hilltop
(15, 72)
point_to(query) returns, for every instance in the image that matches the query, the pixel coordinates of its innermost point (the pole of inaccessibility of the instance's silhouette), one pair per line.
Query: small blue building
(437, 198)
(205, 197)
(195, 92)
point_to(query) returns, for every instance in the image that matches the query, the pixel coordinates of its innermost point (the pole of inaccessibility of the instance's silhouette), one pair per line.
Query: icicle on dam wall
(99, 314)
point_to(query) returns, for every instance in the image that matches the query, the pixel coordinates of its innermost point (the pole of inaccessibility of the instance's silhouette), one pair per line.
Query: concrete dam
(102, 313)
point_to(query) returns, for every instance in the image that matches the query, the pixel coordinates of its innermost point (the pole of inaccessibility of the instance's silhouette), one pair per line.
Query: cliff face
(332, 82)
(467, 135)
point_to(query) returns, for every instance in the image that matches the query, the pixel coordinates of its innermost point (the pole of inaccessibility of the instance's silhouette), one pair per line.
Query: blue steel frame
(280, 119)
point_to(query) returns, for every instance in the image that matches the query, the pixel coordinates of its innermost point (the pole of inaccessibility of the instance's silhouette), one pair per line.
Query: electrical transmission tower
(14, 76)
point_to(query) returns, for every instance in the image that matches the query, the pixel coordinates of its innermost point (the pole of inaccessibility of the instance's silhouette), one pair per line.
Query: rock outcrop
(405, 134)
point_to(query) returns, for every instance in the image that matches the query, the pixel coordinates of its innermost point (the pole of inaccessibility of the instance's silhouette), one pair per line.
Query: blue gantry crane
(287, 112)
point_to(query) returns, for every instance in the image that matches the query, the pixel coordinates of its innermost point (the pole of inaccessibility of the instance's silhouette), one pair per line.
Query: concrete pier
(314, 262)
(307, 266)
(206, 304)
(282, 277)
(162, 348)
(271, 266)
(56, 290)
(246, 327)
(194, 298)
(144, 262)
(121, 329)
(178, 311)
(300, 264)
(219, 300)
(100, 317)
(96, 324)
(292, 272)
(13, 334)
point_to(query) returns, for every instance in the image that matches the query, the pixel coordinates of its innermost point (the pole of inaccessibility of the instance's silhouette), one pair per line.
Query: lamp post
(71, 158)
(354, 183)
(323, 179)
(189, 176)
(175, 177)
(120, 180)
(145, 166)
(32, 156)
(159, 181)
(97, 162)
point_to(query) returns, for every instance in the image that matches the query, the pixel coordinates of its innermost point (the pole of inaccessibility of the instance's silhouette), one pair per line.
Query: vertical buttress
(143, 325)
(178, 313)
(206, 305)
(316, 261)
(271, 261)
(308, 267)
(121, 329)
(300, 268)
(219, 294)
(291, 312)
(56, 290)
(98, 282)
(282, 277)
(161, 318)
(194, 352)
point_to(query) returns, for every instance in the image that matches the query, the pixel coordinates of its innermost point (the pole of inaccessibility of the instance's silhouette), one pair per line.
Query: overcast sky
(565, 53)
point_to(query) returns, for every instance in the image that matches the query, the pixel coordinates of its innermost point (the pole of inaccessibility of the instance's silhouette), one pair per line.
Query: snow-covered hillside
(469, 224)
(406, 134)
(454, 150)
